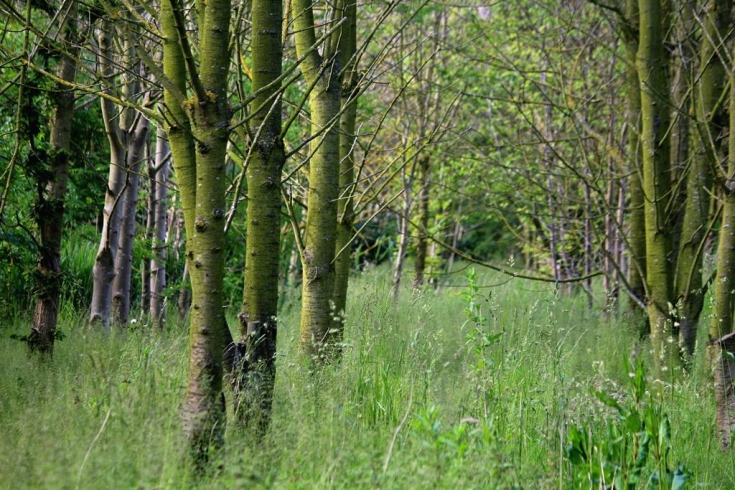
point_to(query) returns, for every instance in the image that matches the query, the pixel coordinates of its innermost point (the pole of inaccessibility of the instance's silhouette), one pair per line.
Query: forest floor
(442, 389)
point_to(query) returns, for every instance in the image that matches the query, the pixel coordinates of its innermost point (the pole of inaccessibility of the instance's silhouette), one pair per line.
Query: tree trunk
(258, 327)
(347, 141)
(183, 303)
(712, 122)
(49, 208)
(320, 72)
(637, 220)
(402, 243)
(124, 256)
(682, 59)
(103, 271)
(178, 129)
(652, 69)
(150, 224)
(724, 348)
(721, 325)
(160, 228)
(421, 244)
(202, 183)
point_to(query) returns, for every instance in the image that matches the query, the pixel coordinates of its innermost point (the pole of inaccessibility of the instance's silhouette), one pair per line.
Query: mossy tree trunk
(709, 135)
(652, 67)
(721, 324)
(682, 52)
(347, 142)
(178, 130)
(49, 206)
(258, 327)
(204, 403)
(322, 73)
(201, 172)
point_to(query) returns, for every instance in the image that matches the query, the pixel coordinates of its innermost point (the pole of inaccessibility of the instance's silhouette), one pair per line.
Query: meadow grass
(421, 399)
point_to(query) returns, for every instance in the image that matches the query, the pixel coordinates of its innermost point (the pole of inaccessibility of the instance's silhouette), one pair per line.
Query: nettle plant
(633, 451)
(480, 340)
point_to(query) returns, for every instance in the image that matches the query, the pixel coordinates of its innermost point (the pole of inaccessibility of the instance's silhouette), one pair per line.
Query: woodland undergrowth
(484, 382)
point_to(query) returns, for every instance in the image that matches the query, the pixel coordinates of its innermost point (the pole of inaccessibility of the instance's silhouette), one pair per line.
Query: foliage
(17, 256)
(634, 450)
(480, 340)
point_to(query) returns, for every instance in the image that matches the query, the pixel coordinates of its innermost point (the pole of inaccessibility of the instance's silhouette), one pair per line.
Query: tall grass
(414, 403)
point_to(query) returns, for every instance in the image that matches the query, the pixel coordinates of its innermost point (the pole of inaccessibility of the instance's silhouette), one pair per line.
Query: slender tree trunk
(652, 69)
(178, 129)
(552, 197)
(712, 122)
(588, 239)
(160, 228)
(320, 239)
(682, 60)
(421, 244)
(637, 219)
(610, 280)
(49, 210)
(402, 243)
(294, 268)
(183, 303)
(456, 237)
(347, 141)
(721, 325)
(103, 271)
(124, 256)
(150, 224)
(258, 326)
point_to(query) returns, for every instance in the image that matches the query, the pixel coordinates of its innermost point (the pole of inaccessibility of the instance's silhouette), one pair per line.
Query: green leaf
(577, 448)
(681, 476)
(633, 422)
(608, 400)
(664, 431)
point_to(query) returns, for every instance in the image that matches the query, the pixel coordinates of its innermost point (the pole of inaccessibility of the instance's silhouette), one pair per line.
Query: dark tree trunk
(49, 208)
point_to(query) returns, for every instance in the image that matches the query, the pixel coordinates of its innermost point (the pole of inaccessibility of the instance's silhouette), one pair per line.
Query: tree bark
(682, 61)
(402, 239)
(160, 228)
(421, 243)
(347, 141)
(322, 73)
(202, 188)
(49, 208)
(711, 125)
(637, 216)
(258, 326)
(103, 271)
(652, 68)
(150, 223)
(124, 256)
(721, 324)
